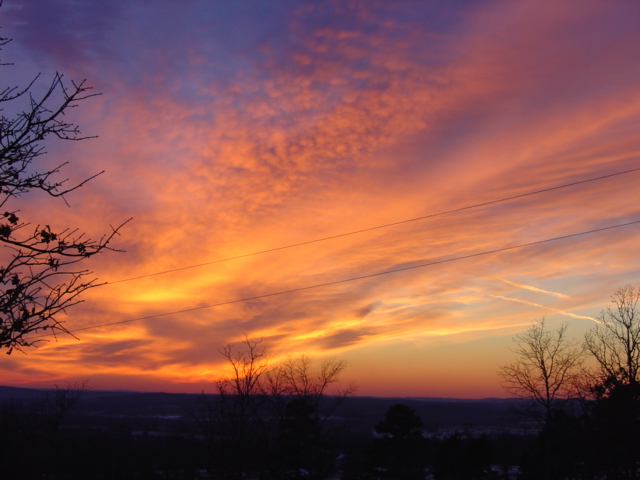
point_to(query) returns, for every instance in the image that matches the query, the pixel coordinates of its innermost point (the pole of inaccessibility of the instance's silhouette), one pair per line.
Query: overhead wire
(352, 279)
(386, 225)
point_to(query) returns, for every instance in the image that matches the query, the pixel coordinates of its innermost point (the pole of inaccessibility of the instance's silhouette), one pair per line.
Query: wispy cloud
(544, 307)
(534, 289)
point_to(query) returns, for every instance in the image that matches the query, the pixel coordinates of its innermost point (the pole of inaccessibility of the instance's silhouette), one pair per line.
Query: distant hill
(361, 413)
(14, 393)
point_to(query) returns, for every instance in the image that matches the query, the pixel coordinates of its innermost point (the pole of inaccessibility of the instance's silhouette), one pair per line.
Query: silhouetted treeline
(595, 439)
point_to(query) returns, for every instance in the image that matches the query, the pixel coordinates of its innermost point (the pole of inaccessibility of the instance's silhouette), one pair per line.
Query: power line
(352, 279)
(386, 225)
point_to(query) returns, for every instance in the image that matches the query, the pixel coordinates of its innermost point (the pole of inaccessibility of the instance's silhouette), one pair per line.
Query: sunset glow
(227, 129)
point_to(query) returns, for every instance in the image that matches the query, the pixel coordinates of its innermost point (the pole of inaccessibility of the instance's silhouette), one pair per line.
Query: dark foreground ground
(133, 435)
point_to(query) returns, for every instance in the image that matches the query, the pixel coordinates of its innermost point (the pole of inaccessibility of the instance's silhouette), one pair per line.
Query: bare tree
(270, 419)
(546, 369)
(547, 372)
(615, 342)
(304, 394)
(241, 395)
(39, 275)
(298, 378)
(248, 363)
(58, 401)
(234, 420)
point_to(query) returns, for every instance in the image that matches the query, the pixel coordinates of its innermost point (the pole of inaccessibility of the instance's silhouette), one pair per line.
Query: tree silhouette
(305, 396)
(233, 420)
(546, 371)
(400, 422)
(39, 275)
(461, 458)
(399, 446)
(615, 342)
(613, 429)
(270, 421)
(614, 420)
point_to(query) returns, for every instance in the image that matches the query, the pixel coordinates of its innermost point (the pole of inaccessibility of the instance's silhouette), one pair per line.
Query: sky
(233, 128)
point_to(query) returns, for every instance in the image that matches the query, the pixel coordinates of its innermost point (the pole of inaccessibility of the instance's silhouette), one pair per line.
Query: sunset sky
(230, 128)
